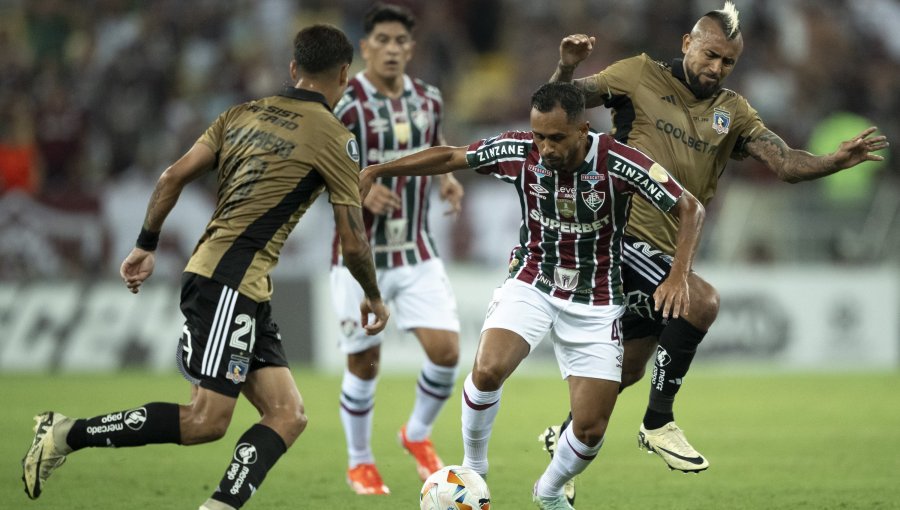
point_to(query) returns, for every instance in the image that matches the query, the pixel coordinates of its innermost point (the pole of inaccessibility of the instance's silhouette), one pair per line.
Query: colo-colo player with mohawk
(679, 114)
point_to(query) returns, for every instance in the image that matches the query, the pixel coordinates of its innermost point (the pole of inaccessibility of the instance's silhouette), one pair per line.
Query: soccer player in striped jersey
(575, 190)
(392, 115)
(679, 114)
(273, 157)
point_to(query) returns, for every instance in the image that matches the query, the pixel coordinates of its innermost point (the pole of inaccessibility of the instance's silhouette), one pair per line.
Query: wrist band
(147, 240)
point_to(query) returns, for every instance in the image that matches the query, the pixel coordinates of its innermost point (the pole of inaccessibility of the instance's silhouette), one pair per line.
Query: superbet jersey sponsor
(387, 129)
(570, 241)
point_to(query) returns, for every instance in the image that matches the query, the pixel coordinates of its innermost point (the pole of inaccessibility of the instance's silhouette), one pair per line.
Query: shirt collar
(678, 69)
(304, 95)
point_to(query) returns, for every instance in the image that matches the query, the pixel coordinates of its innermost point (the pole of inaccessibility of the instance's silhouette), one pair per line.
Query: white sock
(479, 410)
(432, 391)
(357, 408)
(572, 457)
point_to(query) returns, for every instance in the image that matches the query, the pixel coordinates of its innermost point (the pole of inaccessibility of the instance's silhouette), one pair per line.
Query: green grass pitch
(774, 440)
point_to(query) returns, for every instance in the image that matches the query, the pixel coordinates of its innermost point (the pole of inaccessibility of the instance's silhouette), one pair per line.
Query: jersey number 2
(246, 325)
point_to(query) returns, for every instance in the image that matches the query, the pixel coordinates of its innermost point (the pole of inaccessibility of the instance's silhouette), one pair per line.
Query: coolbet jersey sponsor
(654, 110)
(387, 129)
(570, 240)
(274, 156)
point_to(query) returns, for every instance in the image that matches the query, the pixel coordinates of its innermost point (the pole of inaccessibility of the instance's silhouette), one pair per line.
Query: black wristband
(147, 240)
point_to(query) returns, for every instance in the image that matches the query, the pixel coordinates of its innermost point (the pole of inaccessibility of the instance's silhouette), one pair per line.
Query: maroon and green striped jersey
(387, 129)
(570, 239)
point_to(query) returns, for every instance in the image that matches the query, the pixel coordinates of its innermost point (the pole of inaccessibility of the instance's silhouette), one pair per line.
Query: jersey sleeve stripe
(639, 176)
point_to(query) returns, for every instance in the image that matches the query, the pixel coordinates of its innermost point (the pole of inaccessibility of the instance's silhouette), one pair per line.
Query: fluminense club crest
(593, 199)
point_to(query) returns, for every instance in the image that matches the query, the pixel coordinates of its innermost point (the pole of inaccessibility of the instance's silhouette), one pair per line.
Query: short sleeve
(501, 155)
(338, 163)
(214, 136)
(620, 79)
(638, 172)
(749, 126)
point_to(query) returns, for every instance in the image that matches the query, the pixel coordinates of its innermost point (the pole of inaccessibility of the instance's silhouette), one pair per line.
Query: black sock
(677, 346)
(255, 454)
(153, 423)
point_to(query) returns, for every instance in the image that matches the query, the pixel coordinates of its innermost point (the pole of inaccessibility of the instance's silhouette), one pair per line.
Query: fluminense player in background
(272, 157)
(392, 114)
(679, 114)
(575, 189)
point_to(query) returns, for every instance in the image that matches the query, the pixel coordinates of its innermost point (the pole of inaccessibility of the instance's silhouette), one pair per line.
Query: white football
(455, 488)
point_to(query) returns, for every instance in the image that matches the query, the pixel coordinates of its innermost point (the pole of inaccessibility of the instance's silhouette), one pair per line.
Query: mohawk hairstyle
(727, 17)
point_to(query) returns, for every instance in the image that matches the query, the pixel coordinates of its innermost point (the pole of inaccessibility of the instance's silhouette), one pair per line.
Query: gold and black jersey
(274, 156)
(654, 111)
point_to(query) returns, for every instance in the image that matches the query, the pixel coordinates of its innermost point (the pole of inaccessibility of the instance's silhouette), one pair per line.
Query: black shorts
(226, 336)
(643, 268)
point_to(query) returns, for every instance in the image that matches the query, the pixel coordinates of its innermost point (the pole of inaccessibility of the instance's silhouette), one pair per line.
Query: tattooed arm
(139, 264)
(355, 247)
(793, 165)
(572, 50)
(358, 259)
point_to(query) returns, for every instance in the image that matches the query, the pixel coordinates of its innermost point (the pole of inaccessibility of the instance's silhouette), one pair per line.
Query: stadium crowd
(97, 95)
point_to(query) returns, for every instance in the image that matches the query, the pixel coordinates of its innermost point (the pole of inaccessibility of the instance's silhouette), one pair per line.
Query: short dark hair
(381, 13)
(564, 94)
(321, 47)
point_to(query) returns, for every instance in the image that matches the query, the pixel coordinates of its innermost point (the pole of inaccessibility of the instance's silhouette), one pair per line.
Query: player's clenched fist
(575, 48)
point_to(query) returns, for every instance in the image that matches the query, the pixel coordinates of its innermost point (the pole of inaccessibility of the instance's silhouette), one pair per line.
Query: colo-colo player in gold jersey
(679, 114)
(272, 157)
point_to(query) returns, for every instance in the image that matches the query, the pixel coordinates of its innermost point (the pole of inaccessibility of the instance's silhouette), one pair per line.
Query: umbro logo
(669, 99)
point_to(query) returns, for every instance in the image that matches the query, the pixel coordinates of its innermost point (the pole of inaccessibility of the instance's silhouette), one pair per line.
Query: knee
(295, 420)
(487, 377)
(203, 427)
(289, 420)
(447, 355)
(631, 375)
(365, 364)
(590, 434)
(704, 305)
(441, 346)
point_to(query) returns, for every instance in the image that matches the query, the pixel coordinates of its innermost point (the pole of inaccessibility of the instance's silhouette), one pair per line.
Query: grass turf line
(791, 441)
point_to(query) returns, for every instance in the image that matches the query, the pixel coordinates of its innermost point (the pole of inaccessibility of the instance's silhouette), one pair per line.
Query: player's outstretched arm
(672, 295)
(431, 161)
(357, 256)
(794, 165)
(139, 264)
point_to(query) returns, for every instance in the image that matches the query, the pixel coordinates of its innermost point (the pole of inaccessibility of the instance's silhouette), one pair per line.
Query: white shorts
(419, 296)
(585, 338)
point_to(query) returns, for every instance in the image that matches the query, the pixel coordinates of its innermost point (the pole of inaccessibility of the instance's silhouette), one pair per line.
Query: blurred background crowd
(98, 96)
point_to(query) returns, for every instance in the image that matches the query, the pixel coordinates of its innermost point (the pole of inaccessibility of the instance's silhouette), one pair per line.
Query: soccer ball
(455, 488)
